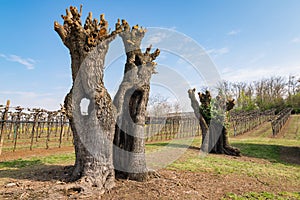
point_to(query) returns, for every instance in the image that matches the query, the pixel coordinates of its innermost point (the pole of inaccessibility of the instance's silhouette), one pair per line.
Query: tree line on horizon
(275, 92)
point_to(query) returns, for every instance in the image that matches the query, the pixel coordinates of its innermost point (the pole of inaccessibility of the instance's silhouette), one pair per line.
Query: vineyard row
(280, 120)
(242, 122)
(38, 128)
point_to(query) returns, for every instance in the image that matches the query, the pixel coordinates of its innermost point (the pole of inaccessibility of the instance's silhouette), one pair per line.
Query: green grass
(267, 148)
(267, 141)
(66, 158)
(261, 160)
(293, 129)
(20, 163)
(263, 195)
(222, 165)
(175, 143)
(268, 165)
(59, 158)
(266, 151)
(155, 146)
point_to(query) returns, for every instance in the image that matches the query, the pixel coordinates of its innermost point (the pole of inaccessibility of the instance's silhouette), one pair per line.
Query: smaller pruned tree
(211, 114)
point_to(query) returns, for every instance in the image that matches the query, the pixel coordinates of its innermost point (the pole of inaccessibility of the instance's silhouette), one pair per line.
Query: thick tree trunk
(203, 125)
(131, 103)
(93, 133)
(214, 133)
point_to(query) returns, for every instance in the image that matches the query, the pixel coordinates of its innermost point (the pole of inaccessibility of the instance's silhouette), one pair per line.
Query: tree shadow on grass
(290, 155)
(34, 170)
(272, 153)
(173, 145)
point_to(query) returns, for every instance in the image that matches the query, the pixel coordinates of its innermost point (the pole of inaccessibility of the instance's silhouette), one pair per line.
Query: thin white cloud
(181, 61)
(223, 51)
(295, 40)
(233, 32)
(162, 56)
(255, 60)
(27, 62)
(29, 99)
(173, 28)
(250, 74)
(28, 94)
(218, 52)
(156, 38)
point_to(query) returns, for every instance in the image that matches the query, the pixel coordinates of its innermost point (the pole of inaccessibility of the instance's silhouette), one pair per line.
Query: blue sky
(246, 40)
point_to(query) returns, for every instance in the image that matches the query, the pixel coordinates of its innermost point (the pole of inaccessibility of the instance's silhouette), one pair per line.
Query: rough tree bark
(214, 132)
(93, 133)
(131, 102)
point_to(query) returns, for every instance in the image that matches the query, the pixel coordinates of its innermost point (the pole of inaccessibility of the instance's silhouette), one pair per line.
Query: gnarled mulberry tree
(211, 116)
(93, 133)
(120, 121)
(131, 103)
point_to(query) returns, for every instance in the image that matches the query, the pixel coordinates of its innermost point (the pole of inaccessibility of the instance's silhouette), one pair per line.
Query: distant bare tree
(225, 88)
(176, 107)
(293, 85)
(159, 105)
(270, 92)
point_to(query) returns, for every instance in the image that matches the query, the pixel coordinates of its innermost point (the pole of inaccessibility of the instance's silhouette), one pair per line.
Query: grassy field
(263, 160)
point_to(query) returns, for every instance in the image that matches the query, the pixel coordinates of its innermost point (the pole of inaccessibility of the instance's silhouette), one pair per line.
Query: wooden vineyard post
(26, 124)
(42, 125)
(49, 123)
(62, 119)
(3, 125)
(56, 122)
(38, 127)
(16, 131)
(69, 130)
(11, 126)
(173, 128)
(36, 114)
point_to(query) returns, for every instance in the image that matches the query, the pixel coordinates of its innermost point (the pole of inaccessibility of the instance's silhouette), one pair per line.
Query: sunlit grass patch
(66, 158)
(19, 163)
(263, 195)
